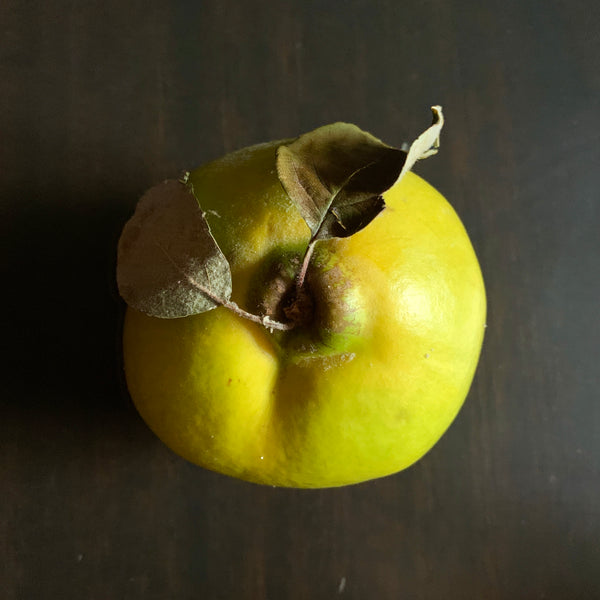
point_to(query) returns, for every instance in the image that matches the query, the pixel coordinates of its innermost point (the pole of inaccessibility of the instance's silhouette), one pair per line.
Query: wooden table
(101, 99)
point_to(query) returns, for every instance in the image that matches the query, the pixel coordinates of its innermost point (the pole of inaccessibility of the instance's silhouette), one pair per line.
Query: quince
(360, 349)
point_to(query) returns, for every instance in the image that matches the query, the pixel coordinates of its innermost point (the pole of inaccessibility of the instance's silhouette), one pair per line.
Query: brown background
(101, 99)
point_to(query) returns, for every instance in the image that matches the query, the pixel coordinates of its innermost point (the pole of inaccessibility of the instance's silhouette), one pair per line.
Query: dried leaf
(426, 144)
(336, 174)
(169, 265)
(315, 168)
(360, 199)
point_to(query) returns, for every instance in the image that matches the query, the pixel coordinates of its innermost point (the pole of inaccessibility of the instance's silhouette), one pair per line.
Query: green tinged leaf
(336, 174)
(168, 263)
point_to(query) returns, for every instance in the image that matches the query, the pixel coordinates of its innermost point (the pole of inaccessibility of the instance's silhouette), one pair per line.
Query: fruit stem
(306, 260)
(265, 320)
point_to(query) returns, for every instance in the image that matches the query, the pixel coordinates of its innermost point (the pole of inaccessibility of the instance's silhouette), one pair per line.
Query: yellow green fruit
(364, 388)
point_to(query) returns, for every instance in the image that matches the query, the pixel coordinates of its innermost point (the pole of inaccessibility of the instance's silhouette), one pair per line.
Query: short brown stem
(305, 262)
(265, 321)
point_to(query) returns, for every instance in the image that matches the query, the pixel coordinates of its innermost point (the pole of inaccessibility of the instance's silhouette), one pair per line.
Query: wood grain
(100, 100)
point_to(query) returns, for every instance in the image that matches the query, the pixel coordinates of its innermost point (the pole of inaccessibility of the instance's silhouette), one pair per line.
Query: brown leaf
(336, 174)
(169, 265)
(360, 199)
(315, 168)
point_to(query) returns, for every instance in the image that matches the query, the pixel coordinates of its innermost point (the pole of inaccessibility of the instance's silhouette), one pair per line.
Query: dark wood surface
(101, 99)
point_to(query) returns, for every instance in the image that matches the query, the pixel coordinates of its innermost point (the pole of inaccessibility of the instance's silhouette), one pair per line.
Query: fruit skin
(330, 406)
